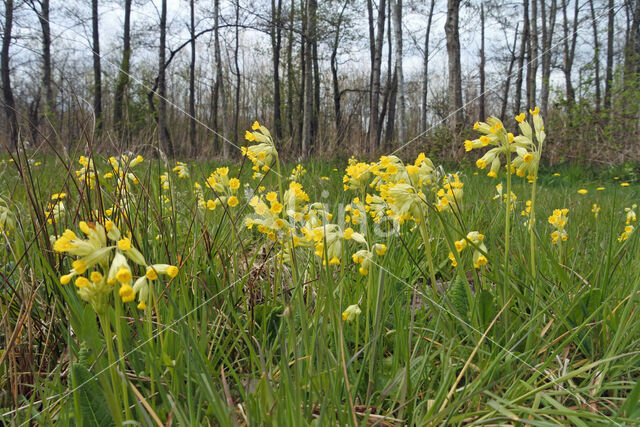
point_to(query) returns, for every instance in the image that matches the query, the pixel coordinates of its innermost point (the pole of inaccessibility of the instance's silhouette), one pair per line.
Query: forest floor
(195, 294)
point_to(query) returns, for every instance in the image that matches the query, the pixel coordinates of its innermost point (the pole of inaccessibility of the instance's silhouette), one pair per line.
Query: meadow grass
(240, 337)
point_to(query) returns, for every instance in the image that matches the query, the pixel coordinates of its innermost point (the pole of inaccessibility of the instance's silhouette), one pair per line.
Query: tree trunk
(290, 70)
(192, 86)
(43, 18)
(507, 83)
(9, 103)
(569, 43)
(276, 42)
(307, 117)
(632, 49)
(299, 112)
(532, 61)
(456, 113)
(334, 77)
(397, 21)
(315, 115)
(374, 84)
(425, 73)
(220, 79)
(97, 68)
(596, 55)
(609, 71)
(163, 131)
(236, 53)
(123, 75)
(547, 43)
(523, 52)
(482, 113)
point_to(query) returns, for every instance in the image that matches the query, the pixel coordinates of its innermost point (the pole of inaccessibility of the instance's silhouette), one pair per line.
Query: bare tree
(482, 112)
(532, 57)
(609, 67)
(97, 67)
(523, 51)
(307, 118)
(455, 72)
(507, 83)
(425, 70)
(276, 42)
(596, 55)
(220, 78)
(41, 8)
(547, 43)
(396, 5)
(9, 103)
(337, 94)
(192, 72)
(163, 131)
(569, 43)
(375, 47)
(123, 74)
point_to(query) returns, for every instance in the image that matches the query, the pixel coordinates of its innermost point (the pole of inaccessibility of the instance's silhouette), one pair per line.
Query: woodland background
(329, 78)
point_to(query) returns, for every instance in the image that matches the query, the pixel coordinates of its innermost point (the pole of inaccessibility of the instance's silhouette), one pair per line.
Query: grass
(239, 338)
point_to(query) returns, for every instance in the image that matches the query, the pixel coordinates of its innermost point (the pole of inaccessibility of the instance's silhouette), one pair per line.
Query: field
(330, 293)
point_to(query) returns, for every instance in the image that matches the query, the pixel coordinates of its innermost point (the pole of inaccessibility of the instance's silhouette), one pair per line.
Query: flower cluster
(297, 172)
(364, 257)
(87, 172)
(55, 208)
(450, 194)
(7, 221)
(102, 262)
(357, 175)
(474, 239)
(525, 164)
(182, 169)
(263, 154)
(630, 214)
(121, 171)
(559, 221)
(224, 188)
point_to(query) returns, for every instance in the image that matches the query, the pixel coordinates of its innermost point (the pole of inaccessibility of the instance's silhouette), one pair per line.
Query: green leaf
(93, 405)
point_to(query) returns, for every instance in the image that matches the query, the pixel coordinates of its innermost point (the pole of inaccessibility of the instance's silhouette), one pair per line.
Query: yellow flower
(624, 184)
(233, 201)
(380, 249)
(234, 183)
(151, 274)
(272, 196)
(600, 188)
(351, 313)
(126, 293)
(520, 117)
(123, 275)
(81, 282)
(124, 244)
(255, 125)
(582, 191)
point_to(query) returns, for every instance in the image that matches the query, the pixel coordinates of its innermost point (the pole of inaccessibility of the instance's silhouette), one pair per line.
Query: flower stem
(106, 329)
(123, 383)
(507, 229)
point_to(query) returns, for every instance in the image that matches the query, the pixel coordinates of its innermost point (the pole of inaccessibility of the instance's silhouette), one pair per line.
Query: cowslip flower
(263, 154)
(350, 314)
(182, 169)
(628, 230)
(559, 221)
(473, 239)
(104, 258)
